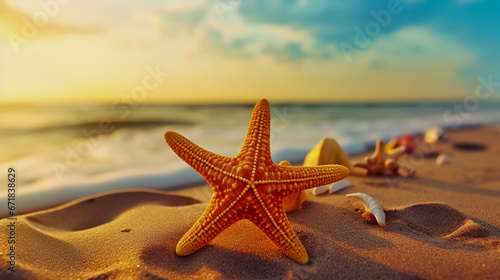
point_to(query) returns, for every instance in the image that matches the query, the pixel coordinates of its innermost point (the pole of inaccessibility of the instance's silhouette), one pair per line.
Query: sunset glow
(238, 51)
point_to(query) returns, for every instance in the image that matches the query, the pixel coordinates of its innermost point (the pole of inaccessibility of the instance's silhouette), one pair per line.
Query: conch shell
(373, 210)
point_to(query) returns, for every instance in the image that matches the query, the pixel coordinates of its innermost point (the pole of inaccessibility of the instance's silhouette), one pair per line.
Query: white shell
(371, 205)
(320, 190)
(434, 135)
(443, 159)
(337, 186)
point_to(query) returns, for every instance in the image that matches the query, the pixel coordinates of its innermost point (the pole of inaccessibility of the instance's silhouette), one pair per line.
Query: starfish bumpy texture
(249, 186)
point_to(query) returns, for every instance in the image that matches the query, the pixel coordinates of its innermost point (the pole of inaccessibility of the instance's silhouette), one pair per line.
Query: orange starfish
(249, 186)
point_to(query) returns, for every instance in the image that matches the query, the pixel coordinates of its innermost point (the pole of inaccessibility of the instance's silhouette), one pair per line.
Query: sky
(220, 51)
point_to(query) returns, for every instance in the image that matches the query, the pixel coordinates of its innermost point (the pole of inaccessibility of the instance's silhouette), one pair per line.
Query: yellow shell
(391, 145)
(327, 151)
(294, 200)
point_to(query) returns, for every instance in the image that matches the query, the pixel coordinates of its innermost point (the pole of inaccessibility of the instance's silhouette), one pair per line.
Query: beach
(443, 223)
(249, 140)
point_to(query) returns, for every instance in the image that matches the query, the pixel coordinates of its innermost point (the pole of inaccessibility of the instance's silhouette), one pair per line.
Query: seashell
(327, 151)
(372, 208)
(390, 166)
(434, 135)
(443, 159)
(408, 142)
(337, 186)
(391, 145)
(320, 190)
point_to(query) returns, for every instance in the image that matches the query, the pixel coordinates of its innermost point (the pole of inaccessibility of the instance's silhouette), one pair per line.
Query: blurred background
(238, 51)
(87, 88)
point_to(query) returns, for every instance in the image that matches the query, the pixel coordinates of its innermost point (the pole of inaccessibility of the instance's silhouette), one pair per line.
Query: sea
(61, 152)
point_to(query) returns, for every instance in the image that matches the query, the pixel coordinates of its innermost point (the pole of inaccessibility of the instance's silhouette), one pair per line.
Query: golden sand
(441, 224)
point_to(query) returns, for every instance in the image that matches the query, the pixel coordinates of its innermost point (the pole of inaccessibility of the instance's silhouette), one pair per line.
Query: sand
(442, 224)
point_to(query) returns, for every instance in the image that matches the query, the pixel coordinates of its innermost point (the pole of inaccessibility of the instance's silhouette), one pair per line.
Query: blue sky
(241, 50)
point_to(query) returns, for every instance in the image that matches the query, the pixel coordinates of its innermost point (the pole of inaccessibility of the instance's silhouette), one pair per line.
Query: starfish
(249, 186)
(382, 162)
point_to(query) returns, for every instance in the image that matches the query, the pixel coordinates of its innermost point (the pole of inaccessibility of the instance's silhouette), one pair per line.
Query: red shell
(407, 141)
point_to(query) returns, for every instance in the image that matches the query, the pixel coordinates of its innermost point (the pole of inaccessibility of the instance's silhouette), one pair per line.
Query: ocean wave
(59, 165)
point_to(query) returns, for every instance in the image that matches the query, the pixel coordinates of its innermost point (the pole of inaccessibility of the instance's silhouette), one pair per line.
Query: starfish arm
(377, 157)
(258, 137)
(273, 221)
(219, 215)
(294, 179)
(213, 167)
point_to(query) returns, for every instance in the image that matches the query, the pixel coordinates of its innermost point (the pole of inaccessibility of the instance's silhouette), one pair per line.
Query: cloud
(430, 48)
(17, 25)
(323, 26)
(225, 33)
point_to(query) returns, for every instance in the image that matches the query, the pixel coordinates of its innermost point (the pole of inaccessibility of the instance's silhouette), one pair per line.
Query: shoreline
(51, 195)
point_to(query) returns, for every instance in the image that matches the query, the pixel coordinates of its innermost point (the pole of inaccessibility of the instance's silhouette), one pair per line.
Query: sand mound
(469, 229)
(100, 236)
(437, 223)
(133, 235)
(101, 209)
(433, 219)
